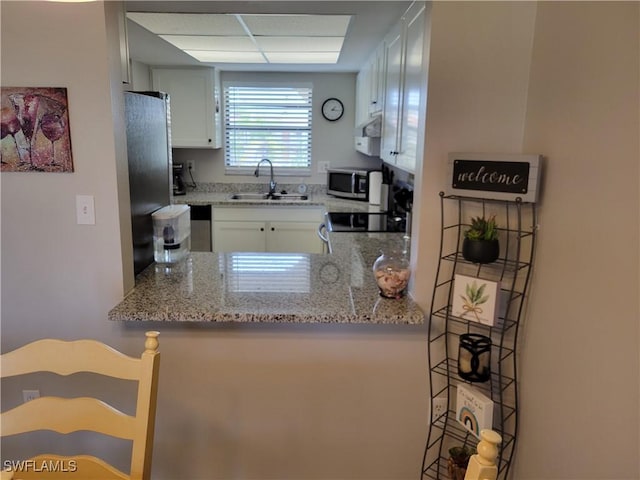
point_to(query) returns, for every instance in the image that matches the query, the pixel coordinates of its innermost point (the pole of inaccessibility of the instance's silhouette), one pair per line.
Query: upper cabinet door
(405, 87)
(392, 106)
(194, 95)
(370, 86)
(378, 65)
(413, 88)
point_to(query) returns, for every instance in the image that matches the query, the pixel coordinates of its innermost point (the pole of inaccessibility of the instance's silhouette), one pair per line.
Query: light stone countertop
(301, 288)
(212, 287)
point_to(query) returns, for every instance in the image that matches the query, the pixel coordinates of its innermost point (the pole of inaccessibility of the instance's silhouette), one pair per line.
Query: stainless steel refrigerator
(148, 127)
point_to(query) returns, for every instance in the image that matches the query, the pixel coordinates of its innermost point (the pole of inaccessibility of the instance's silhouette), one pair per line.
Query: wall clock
(332, 109)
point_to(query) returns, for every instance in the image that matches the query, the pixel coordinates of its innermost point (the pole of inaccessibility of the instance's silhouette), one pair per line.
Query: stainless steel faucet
(272, 182)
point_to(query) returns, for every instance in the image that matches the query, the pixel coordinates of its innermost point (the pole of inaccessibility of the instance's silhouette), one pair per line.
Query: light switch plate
(85, 211)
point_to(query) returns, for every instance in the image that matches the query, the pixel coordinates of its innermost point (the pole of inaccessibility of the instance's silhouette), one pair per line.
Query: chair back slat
(66, 415)
(67, 357)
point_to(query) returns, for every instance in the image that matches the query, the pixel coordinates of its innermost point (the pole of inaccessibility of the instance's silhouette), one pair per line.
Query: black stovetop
(366, 222)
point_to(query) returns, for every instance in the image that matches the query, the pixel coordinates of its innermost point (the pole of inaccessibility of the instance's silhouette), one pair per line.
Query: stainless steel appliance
(179, 187)
(396, 219)
(200, 228)
(366, 222)
(148, 130)
(349, 182)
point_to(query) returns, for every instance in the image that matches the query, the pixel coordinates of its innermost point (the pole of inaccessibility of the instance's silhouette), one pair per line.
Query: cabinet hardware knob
(209, 140)
(273, 229)
(262, 229)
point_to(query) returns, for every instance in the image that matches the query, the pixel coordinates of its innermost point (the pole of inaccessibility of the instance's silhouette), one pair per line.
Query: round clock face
(332, 109)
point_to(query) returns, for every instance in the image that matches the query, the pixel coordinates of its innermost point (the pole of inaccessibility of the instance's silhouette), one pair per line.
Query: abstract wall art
(34, 130)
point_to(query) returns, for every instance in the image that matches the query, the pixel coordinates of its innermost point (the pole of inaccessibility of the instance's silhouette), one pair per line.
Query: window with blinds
(268, 121)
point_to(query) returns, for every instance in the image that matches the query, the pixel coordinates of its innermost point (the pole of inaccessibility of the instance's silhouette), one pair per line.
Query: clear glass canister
(392, 273)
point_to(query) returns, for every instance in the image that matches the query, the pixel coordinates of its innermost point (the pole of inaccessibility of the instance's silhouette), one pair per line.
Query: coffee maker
(179, 187)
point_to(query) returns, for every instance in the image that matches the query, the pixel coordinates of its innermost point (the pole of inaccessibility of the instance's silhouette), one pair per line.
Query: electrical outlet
(191, 166)
(30, 395)
(323, 167)
(439, 407)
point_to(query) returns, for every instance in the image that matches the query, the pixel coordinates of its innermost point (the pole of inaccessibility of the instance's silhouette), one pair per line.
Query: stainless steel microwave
(349, 182)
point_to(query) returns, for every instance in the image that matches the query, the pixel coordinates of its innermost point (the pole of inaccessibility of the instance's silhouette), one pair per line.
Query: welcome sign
(495, 176)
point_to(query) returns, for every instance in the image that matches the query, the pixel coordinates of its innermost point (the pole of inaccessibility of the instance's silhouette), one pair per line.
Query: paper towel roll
(384, 197)
(375, 182)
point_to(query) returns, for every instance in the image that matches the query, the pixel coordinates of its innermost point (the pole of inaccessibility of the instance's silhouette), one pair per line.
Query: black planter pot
(480, 251)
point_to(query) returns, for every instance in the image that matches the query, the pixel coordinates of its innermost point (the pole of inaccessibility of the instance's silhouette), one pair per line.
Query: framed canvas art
(475, 299)
(34, 130)
(474, 410)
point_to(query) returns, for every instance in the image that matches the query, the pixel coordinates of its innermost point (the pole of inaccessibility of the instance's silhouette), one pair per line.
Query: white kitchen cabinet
(267, 229)
(293, 237)
(363, 86)
(377, 85)
(370, 86)
(405, 87)
(195, 105)
(391, 114)
(239, 236)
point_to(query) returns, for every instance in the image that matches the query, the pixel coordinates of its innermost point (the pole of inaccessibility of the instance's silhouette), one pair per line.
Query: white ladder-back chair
(66, 415)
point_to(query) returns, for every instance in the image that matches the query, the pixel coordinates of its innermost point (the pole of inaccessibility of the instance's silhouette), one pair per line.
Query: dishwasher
(200, 228)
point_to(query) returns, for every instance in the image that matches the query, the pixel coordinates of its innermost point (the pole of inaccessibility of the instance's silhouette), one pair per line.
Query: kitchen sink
(249, 196)
(268, 196)
(289, 196)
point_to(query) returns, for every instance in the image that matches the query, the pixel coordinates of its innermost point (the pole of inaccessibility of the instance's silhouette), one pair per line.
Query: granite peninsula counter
(272, 287)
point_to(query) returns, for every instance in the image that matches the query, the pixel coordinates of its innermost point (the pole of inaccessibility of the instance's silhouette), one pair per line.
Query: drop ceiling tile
(188, 23)
(202, 42)
(298, 25)
(306, 44)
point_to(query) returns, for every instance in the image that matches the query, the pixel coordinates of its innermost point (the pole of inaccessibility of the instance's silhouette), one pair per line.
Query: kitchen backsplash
(312, 188)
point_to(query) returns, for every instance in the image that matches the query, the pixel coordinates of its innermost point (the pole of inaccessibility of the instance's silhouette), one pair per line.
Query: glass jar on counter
(391, 271)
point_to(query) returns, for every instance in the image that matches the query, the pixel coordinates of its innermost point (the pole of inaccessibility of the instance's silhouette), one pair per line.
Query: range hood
(370, 128)
(367, 136)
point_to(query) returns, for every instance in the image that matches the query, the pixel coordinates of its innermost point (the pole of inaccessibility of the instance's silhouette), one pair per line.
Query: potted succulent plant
(458, 461)
(480, 243)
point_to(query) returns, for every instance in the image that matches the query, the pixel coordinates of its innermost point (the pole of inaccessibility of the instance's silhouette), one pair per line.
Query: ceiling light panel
(305, 44)
(201, 42)
(302, 57)
(210, 56)
(298, 25)
(188, 23)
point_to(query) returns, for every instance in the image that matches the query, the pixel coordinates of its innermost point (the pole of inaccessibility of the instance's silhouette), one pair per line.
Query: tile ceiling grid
(251, 38)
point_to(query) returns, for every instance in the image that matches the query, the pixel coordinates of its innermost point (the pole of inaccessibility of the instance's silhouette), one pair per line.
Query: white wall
(580, 374)
(477, 87)
(332, 141)
(560, 79)
(60, 278)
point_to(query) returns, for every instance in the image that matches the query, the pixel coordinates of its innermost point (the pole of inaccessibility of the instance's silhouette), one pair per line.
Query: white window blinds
(268, 121)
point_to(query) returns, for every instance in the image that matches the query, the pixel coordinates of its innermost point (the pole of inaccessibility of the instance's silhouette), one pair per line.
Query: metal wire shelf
(512, 270)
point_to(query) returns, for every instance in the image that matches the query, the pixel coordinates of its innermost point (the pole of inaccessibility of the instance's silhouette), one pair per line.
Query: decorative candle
(474, 357)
